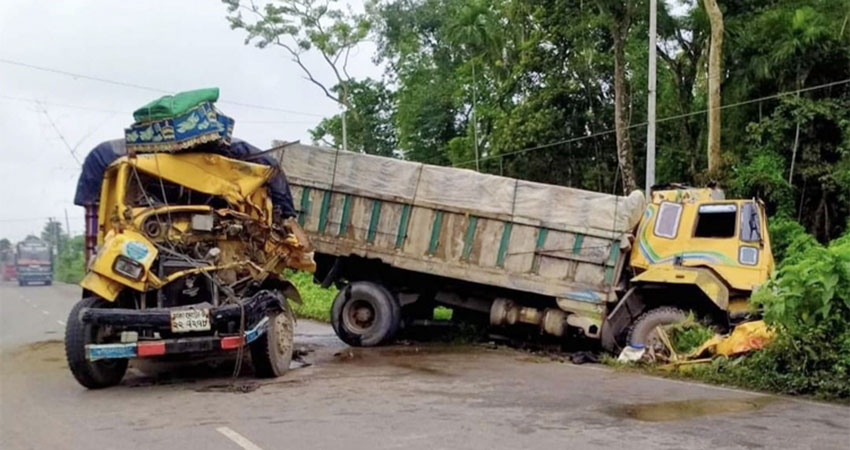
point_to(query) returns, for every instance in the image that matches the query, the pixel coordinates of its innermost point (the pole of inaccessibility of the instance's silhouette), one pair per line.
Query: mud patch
(39, 346)
(35, 357)
(240, 387)
(688, 409)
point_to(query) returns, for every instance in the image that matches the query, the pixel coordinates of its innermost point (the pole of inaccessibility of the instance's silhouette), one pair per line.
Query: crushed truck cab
(190, 260)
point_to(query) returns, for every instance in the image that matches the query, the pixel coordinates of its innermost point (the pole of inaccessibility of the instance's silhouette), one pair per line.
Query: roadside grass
(316, 300)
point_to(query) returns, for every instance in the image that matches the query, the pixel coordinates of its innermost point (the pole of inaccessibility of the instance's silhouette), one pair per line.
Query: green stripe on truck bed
(305, 206)
(541, 241)
(435, 232)
(346, 214)
(373, 221)
(470, 237)
(402, 226)
(503, 246)
(323, 213)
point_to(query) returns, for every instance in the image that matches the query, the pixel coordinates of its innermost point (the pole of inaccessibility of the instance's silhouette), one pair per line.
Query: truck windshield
(38, 254)
(716, 221)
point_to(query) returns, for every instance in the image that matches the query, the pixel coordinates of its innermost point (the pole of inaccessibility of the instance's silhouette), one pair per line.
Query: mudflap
(621, 317)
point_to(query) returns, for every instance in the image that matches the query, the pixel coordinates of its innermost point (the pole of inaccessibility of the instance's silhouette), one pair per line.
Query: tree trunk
(715, 17)
(625, 158)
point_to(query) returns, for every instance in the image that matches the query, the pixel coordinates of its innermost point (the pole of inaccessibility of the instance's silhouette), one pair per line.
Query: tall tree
(297, 26)
(371, 127)
(53, 234)
(715, 58)
(620, 13)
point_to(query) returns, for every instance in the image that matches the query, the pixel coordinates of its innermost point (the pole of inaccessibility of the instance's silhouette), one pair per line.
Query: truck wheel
(643, 330)
(365, 314)
(91, 374)
(271, 353)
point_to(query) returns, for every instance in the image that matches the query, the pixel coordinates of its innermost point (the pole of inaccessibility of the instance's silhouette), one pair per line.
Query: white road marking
(45, 312)
(60, 322)
(238, 439)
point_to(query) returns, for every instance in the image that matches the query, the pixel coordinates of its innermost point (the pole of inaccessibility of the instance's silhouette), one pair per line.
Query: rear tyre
(644, 330)
(365, 314)
(91, 374)
(271, 353)
(22, 283)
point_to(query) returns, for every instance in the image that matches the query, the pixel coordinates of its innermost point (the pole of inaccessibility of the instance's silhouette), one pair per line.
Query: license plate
(185, 320)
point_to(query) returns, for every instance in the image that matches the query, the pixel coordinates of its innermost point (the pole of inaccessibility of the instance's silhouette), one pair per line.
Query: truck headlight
(129, 268)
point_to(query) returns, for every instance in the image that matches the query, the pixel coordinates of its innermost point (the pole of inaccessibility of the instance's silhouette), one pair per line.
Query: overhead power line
(114, 111)
(145, 88)
(663, 119)
(33, 219)
(71, 150)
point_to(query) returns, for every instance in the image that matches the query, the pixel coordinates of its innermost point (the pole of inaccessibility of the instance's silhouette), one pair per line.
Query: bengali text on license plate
(190, 320)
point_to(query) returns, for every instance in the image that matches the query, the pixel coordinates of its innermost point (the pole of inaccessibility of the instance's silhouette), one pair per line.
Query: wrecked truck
(188, 252)
(399, 238)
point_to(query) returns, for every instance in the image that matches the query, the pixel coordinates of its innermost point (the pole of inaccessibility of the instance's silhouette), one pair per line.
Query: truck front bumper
(160, 347)
(224, 333)
(35, 277)
(223, 319)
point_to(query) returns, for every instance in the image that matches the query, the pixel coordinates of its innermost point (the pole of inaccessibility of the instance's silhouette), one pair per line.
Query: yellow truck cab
(189, 260)
(694, 250)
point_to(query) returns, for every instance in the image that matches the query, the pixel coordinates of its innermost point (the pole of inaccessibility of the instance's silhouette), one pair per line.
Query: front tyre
(365, 314)
(91, 374)
(271, 353)
(644, 331)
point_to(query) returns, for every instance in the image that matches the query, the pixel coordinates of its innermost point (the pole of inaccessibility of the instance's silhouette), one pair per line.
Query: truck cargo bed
(456, 223)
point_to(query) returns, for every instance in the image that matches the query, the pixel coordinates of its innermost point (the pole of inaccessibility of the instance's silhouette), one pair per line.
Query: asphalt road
(412, 396)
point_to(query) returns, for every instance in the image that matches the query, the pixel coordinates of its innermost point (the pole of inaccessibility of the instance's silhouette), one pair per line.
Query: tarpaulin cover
(175, 105)
(95, 164)
(556, 207)
(88, 186)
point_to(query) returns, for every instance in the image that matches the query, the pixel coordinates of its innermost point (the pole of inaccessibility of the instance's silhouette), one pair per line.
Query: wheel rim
(359, 316)
(284, 333)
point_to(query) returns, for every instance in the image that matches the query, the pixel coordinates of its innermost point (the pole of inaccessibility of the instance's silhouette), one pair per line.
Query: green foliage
(52, 234)
(811, 290)
(317, 300)
(369, 121)
(689, 335)
(788, 239)
(807, 303)
(70, 263)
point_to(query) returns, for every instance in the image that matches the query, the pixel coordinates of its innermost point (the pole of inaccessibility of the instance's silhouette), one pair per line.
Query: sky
(167, 45)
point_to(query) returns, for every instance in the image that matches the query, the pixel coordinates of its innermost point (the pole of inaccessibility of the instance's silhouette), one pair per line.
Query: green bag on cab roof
(174, 105)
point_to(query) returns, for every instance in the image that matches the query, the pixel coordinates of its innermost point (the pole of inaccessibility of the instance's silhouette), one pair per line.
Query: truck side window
(667, 222)
(750, 223)
(716, 221)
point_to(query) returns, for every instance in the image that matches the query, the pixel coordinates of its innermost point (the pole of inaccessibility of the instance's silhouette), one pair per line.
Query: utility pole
(67, 223)
(474, 117)
(650, 114)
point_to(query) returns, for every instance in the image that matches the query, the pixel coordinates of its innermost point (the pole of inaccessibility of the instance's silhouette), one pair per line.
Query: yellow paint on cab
(663, 252)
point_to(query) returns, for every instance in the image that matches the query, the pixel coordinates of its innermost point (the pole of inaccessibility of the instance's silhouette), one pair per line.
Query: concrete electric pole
(650, 115)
